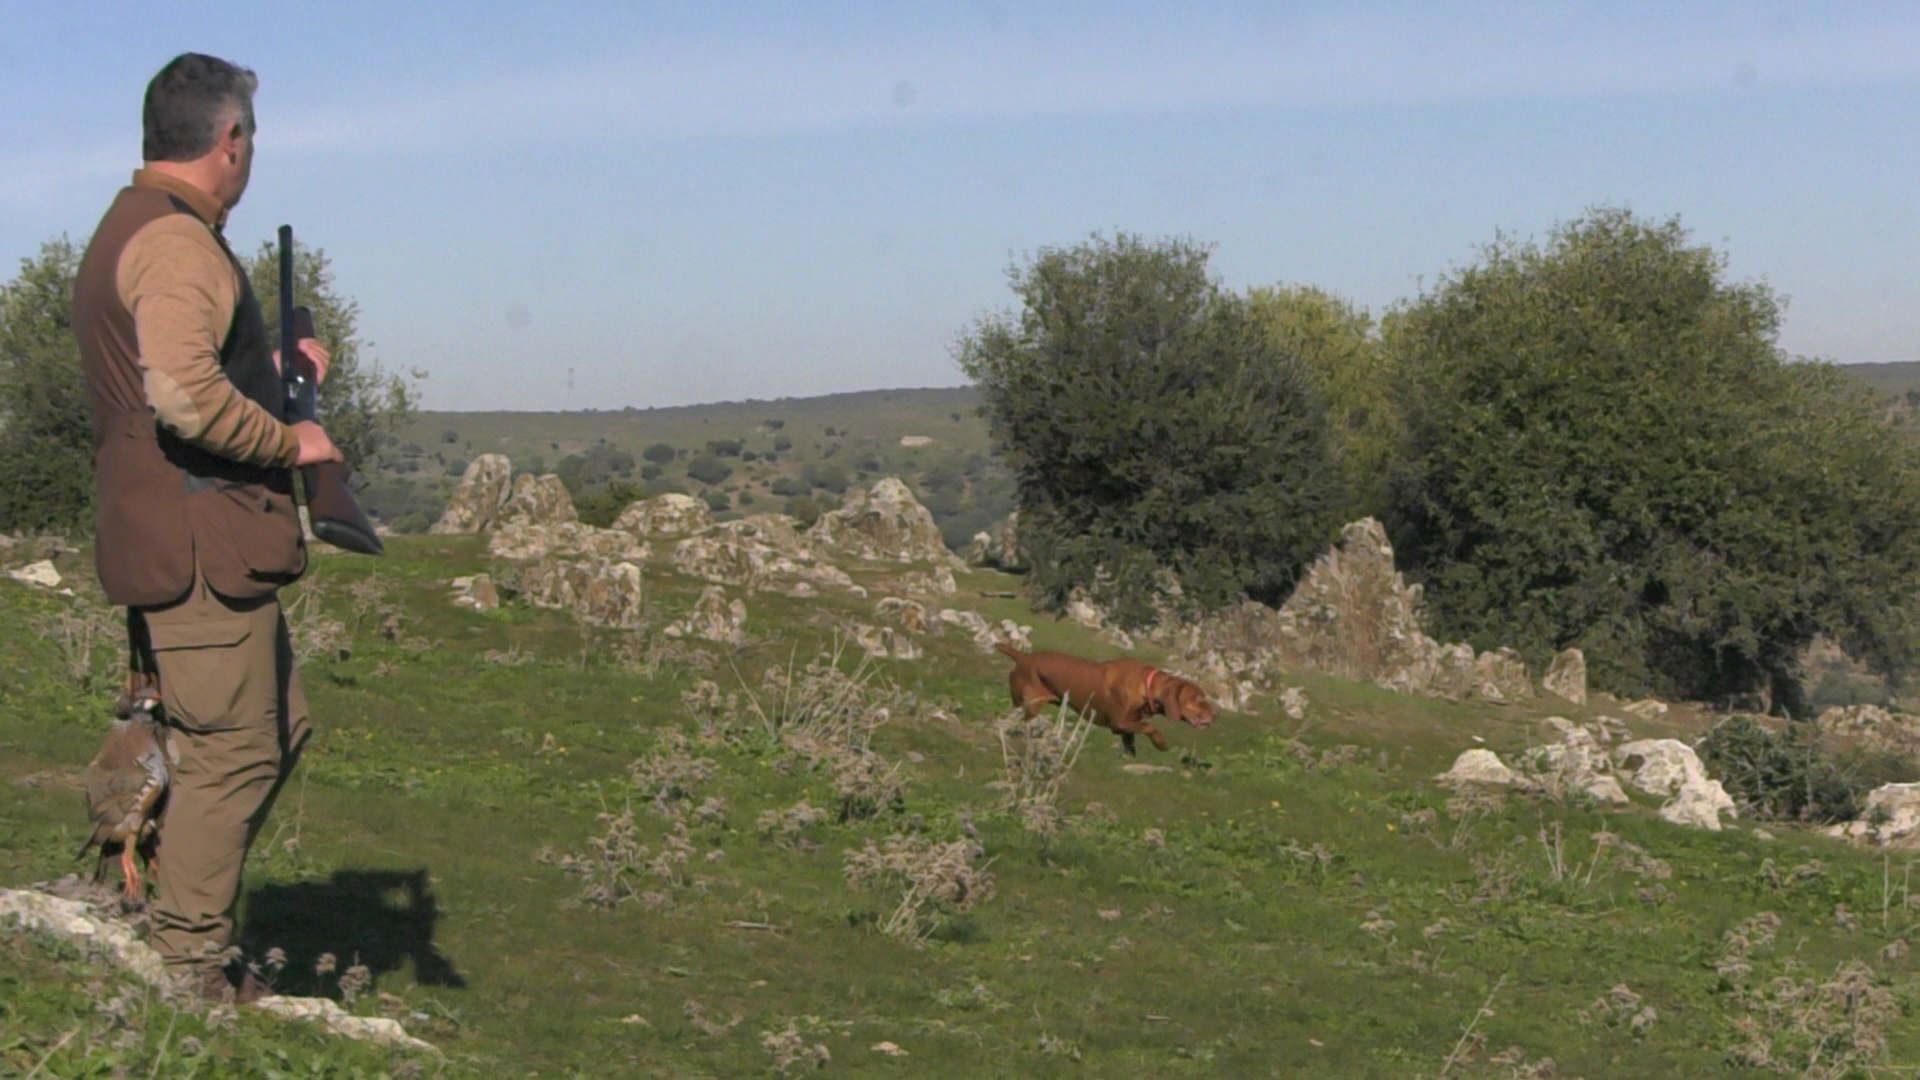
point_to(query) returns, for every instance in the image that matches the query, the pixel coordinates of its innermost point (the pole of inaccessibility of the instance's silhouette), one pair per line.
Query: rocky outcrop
(522, 541)
(1566, 677)
(986, 634)
(1890, 819)
(998, 548)
(909, 615)
(1501, 677)
(538, 501)
(735, 556)
(672, 514)
(714, 618)
(1670, 768)
(883, 642)
(476, 503)
(599, 592)
(475, 593)
(1479, 766)
(884, 524)
(1872, 727)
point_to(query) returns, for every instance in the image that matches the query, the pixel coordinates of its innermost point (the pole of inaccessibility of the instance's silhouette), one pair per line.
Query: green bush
(709, 470)
(1152, 427)
(1607, 449)
(1791, 775)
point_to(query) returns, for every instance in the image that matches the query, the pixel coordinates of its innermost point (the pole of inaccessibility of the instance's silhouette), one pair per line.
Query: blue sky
(702, 202)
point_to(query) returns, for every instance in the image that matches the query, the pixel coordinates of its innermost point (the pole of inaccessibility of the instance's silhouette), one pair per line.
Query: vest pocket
(203, 671)
(248, 538)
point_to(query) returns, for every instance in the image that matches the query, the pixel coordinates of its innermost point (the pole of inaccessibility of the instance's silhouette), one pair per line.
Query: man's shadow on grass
(378, 918)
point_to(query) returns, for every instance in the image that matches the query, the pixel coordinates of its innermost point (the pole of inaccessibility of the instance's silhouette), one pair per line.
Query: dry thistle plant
(784, 827)
(1038, 754)
(315, 635)
(789, 1048)
(83, 633)
(936, 881)
(716, 717)
(670, 774)
(1824, 1030)
(1618, 1007)
(609, 865)
(867, 784)
(820, 706)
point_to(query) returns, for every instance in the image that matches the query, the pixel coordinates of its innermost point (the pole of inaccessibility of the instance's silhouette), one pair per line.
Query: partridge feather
(124, 785)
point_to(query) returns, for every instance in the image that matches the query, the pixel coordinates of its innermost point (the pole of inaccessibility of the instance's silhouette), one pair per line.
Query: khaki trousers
(237, 721)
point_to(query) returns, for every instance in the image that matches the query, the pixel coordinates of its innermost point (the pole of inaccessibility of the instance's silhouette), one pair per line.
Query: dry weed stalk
(1038, 754)
(1824, 1030)
(783, 827)
(936, 881)
(314, 634)
(82, 633)
(789, 1048)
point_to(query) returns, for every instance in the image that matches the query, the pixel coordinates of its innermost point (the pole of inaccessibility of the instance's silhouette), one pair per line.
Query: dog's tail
(1009, 650)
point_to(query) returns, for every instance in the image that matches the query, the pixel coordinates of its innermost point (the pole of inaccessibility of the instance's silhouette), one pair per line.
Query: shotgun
(332, 511)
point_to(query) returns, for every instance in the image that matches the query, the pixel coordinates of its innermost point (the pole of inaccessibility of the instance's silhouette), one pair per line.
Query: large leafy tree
(46, 477)
(46, 470)
(1605, 448)
(1152, 430)
(360, 404)
(1342, 352)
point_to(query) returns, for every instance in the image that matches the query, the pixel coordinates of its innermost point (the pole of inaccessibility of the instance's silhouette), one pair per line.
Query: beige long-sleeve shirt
(177, 280)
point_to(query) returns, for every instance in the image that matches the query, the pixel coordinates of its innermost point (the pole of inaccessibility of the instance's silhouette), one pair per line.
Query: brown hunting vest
(163, 505)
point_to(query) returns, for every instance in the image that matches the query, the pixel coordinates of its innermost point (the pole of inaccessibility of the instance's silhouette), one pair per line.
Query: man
(195, 527)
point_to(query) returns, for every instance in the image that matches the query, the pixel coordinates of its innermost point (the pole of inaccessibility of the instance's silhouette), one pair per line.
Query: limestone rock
(1293, 702)
(987, 634)
(475, 593)
(521, 540)
(538, 500)
(936, 582)
(1501, 676)
(714, 618)
(1566, 677)
(1647, 708)
(1478, 766)
(600, 592)
(881, 642)
(910, 615)
(998, 548)
(1890, 819)
(39, 573)
(476, 503)
(672, 514)
(884, 524)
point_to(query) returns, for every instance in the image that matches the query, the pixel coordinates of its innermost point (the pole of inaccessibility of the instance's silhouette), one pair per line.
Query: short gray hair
(188, 103)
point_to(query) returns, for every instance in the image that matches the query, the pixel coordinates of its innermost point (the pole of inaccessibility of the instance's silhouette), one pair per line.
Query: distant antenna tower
(569, 389)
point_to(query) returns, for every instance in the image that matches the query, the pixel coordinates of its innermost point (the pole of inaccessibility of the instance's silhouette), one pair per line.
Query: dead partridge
(124, 783)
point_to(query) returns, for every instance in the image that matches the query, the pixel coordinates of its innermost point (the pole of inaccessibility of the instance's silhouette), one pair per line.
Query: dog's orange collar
(1151, 672)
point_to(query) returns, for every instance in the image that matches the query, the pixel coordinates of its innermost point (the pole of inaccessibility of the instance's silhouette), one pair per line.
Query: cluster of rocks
(551, 559)
(1593, 760)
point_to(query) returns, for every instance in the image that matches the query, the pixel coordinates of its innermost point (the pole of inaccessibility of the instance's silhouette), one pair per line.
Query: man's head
(197, 122)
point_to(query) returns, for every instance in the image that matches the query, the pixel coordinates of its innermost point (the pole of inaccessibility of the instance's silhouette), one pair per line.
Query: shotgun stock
(332, 510)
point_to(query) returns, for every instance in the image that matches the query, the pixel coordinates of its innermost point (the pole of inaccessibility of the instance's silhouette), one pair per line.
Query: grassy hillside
(785, 449)
(553, 863)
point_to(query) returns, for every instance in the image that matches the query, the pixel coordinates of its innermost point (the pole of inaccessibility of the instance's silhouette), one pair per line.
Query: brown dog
(1121, 692)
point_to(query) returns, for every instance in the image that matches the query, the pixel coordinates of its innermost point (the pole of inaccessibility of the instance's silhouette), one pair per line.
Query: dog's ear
(1170, 702)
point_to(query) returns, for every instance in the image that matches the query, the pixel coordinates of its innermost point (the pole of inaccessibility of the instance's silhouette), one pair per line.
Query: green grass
(1255, 910)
